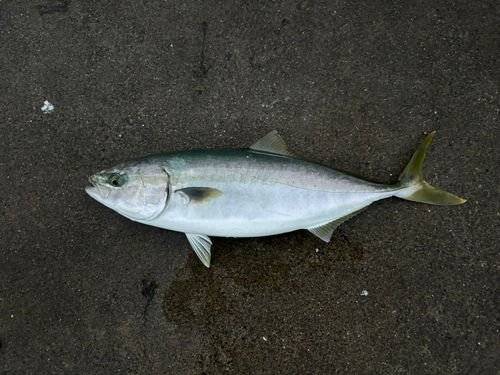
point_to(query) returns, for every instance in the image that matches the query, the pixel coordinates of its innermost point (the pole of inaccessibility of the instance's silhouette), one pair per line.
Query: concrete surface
(355, 85)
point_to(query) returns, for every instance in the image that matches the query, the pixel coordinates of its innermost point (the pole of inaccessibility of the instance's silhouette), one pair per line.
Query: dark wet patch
(53, 7)
(253, 264)
(149, 291)
(246, 273)
(203, 68)
(270, 262)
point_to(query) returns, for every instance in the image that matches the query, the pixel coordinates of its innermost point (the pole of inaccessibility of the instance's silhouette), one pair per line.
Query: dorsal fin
(274, 144)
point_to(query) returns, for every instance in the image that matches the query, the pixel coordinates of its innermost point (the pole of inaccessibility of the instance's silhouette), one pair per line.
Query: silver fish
(263, 190)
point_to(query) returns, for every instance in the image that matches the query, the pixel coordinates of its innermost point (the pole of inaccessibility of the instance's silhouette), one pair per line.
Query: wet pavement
(402, 287)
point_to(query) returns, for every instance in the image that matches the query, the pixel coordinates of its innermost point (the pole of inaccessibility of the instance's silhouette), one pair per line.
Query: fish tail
(414, 188)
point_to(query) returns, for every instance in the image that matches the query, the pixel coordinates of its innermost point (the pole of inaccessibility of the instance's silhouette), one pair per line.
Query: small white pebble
(364, 293)
(47, 107)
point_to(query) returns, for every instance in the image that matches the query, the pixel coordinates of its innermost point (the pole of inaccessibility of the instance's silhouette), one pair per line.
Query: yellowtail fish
(262, 190)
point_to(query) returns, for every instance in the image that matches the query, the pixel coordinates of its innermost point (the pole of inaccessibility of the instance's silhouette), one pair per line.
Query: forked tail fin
(416, 188)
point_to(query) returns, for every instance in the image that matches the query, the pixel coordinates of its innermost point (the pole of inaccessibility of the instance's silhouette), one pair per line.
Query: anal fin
(325, 231)
(201, 245)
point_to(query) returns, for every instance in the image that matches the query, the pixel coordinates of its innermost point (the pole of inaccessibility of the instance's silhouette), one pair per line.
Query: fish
(263, 190)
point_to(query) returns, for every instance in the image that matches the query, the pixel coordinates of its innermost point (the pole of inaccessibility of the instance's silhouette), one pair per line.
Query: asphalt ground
(355, 85)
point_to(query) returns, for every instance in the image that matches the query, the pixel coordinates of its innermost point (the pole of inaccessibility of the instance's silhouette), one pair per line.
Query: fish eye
(117, 180)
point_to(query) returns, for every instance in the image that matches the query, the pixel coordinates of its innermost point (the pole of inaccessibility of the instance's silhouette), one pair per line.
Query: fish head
(136, 190)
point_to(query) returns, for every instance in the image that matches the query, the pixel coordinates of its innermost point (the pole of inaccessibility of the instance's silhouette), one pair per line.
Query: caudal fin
(417, 189)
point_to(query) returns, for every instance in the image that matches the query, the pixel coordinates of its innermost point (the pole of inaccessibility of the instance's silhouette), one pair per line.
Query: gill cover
(147, 198)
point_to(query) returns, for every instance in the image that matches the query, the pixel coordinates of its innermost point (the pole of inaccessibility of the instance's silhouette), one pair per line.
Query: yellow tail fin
(422, 191)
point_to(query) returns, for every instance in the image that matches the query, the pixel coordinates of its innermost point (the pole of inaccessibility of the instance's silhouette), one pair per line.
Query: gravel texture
(355, 85)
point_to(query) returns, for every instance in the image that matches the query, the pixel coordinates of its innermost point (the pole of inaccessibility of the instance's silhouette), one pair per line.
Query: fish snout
(97, 190)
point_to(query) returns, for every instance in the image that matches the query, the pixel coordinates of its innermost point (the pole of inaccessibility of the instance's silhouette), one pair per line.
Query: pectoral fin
(325, 231)
(199, 195)
(201, 245)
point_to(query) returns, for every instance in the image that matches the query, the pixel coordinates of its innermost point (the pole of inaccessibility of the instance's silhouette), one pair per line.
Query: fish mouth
(97, 191)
